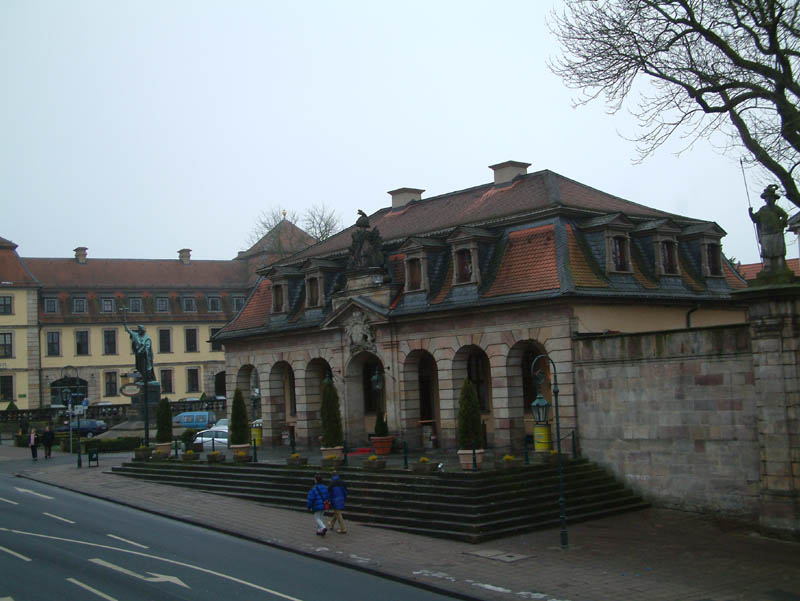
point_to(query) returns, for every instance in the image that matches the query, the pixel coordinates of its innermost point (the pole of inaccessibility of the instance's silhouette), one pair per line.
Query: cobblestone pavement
(651, 555)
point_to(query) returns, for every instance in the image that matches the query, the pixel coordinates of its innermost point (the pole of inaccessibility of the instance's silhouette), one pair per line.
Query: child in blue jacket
(317, 497)
(338, 493)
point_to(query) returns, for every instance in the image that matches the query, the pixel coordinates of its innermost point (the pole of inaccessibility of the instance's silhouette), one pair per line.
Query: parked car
(212, 439)
(221, 423)
(88, 427)
(197, 420)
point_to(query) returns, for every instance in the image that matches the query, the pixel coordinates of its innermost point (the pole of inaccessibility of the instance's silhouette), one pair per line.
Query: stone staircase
(467, 506)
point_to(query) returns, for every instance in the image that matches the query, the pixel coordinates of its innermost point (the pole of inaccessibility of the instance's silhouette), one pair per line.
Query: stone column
(774, 317)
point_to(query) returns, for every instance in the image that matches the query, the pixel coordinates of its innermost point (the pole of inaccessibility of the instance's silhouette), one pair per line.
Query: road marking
(13, 503)
(32, 492)
(153, 578)
(164, 559)
(90, 589)
(125, 540)
(15, 554)
(58, 517)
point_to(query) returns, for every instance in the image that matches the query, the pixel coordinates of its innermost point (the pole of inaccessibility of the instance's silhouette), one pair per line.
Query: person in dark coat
(317, 498)
(48, 437)
(33, 443)
(338, 493)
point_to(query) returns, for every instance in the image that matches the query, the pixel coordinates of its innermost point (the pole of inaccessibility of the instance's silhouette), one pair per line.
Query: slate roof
(532, 243)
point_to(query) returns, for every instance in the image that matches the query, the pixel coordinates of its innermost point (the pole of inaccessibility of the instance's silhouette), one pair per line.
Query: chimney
(185, 255)
(80, 254)
(402, 196)
(505, 172)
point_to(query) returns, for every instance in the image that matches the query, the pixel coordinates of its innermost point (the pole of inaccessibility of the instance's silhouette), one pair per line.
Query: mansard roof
(13, 270)
(539, 236)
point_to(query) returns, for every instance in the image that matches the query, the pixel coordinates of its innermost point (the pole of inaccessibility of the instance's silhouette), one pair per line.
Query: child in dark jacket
(316, 503)
(338, 493)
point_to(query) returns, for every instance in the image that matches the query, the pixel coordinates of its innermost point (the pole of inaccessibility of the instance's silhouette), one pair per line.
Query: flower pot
(510, 463)
(465, 458)
(382, 444)
(424, 468)
(374, 465)
(328, 451)
(190, 457)
(159, 456)
(215, 458)
(164, 447)
(239, 458)
(142, 454)
(331, 463)
(296, 461)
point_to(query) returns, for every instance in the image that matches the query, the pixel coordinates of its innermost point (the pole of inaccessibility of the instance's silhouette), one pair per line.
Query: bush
(469, 416)
(104, 445)
(164, 421)
(381, 427)
(187, 436)
(238, 424)
(332, 434)
(11, 407)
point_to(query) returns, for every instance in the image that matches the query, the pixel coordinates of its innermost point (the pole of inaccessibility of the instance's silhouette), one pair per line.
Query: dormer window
(312, 292)
(277, 298)
(463, 266)
(713, 259)
(669, 257)
(620, 253)
(414, 274)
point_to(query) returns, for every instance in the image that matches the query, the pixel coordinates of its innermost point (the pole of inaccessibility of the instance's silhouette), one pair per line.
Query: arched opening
(471, 362)
(68, 385)
(522, 389)
(219, 384)
(247, 382)
(279, 413)
(365, 384)
(421, 421)
(309, 429)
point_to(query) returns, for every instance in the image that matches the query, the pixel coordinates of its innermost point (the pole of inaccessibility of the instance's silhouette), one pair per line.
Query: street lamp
(539, 408)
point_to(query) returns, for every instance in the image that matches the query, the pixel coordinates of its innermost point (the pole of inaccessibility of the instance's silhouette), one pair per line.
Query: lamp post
(539, 408)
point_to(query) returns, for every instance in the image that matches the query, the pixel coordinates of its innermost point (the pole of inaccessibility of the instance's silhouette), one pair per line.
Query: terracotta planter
(159, 456)
(164, 447)
(424, 468)
(504, 464)
(465, 459)
(211, 458)
(247, 458)
(331, 463)
(382, 444)
(142, 454)
(189, 458)
(297, 461)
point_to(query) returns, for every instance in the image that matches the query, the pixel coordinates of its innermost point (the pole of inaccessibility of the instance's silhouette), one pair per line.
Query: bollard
(255, 451)
(344, 452)
(175, 445)
(291, 440)
(213, 445)
(527, 459)
(474, 458)
(405, 455)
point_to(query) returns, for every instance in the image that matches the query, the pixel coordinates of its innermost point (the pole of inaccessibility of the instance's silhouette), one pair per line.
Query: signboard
(130, 389)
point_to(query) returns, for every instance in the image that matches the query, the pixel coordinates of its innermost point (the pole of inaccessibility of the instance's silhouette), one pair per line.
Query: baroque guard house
(409, 301)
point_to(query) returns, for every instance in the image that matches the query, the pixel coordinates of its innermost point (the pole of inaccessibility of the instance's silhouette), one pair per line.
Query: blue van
(197, 420)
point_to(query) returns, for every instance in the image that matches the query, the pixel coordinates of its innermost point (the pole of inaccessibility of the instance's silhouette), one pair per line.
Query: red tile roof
(256, 311)
(530, 263)
(582, 273)
(750, 270)
(12, 268)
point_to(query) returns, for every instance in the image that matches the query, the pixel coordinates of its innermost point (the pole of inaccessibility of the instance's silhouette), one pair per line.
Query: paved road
(652, 555)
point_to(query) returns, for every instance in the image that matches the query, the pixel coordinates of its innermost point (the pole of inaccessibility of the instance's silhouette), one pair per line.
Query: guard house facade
(412, 299)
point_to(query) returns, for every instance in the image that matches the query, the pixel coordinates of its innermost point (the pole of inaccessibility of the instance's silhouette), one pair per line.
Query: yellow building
(63, 320)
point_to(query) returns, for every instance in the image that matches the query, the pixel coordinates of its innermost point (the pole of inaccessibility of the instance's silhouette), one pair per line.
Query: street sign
(130, 389)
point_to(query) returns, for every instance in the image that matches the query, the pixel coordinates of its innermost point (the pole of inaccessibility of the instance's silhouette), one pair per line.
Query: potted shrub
(241, 456)
(215, 457)
(332, 437)
(239, 433)
(381, 441)
(296, 459)
(142, 453)
(159, 455)
(332, 461)
(510, 461)
(469, 427)
(190, 455)
(163, 426)
(373, 463)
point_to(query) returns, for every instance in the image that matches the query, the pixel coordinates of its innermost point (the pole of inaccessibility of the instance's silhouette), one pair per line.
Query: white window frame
(50, 305)
(215, 300)
(137, 299)
(162, 299)
(107, 301)
(84, 301)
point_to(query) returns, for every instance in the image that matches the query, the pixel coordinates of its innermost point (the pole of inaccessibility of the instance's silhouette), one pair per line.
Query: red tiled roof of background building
(530, 263)
(749, 271)
(582, 274)
(256, 310)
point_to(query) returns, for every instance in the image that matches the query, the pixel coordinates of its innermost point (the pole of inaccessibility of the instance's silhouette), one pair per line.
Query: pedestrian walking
(318, 501)
(338, 493)
(33, 442)
(48, 437)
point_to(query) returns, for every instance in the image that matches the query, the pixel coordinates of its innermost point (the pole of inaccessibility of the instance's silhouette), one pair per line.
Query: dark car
(88, 427)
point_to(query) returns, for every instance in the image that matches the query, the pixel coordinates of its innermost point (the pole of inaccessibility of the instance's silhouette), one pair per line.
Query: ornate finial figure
(283, 212)
(771, 221)
(365, 251)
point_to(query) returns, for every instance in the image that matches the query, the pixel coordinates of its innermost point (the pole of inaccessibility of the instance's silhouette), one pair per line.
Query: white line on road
(152, 578)
(8, 501)
(15, 554)
(32, 492)
(58, 517)
(125, 540)
(164, 559)
(91, 590)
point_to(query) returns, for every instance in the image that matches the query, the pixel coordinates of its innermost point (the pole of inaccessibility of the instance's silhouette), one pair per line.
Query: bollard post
(474, 458)
(175, 446)
(527, 459)
(344, 452)
(405, 455)
(291, 440)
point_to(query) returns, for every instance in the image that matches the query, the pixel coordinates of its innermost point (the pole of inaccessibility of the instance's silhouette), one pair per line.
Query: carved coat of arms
(359, 333)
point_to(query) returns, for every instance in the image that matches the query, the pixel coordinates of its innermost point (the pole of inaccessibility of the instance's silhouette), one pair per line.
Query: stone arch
(247, 381)
(420, 410)
(522, 390)
(279, 398)
(308, 424)
(219, 384)
(471, 361)
(365, 395)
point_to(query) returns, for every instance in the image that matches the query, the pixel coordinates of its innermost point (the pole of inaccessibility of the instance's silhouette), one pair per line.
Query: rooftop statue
(771, 221)
(365, 251)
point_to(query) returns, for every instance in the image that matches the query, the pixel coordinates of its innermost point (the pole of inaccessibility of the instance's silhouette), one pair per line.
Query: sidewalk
(652, 555)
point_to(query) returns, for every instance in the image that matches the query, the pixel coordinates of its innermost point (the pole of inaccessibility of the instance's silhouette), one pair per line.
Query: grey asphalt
(651, 555)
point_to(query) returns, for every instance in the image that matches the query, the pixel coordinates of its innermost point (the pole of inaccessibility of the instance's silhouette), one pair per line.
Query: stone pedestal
(774, 316)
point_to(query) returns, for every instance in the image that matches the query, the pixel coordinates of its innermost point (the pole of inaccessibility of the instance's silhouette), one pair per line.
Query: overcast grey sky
(139, 128)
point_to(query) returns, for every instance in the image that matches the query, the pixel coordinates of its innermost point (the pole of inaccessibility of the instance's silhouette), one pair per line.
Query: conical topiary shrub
(381, 427)
(164, 421)
(332, 434)
(469, 416)
(238, 423)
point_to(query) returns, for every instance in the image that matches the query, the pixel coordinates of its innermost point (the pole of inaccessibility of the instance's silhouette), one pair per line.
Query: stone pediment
(357, 318)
